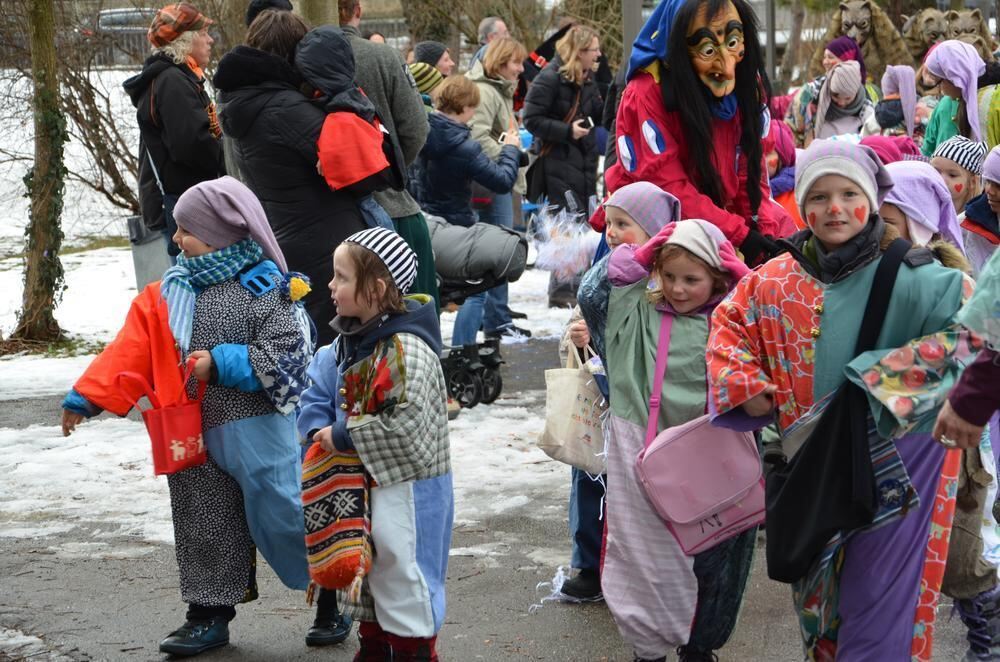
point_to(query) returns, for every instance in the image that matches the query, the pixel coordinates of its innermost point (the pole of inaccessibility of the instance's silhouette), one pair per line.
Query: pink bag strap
(659, 372)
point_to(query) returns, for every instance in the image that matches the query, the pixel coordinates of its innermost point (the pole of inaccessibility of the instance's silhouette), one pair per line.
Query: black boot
(330, 627)
(688, 654)
(585, 587)
(196, 637)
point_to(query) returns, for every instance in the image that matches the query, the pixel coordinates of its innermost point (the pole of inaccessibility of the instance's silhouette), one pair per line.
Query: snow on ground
(16, 645)
(102, 478)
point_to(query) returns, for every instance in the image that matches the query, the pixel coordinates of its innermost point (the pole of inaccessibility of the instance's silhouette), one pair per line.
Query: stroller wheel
(492, 384)
(466, 387)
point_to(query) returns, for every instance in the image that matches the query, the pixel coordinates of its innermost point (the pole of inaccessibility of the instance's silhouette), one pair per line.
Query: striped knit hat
(426, 76)
(397, 257)
(969, 154)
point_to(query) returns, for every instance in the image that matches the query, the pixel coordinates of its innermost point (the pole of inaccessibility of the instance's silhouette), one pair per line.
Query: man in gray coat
(385, 78)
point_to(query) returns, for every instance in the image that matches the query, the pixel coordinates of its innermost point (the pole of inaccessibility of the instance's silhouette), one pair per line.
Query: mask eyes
(707, 50)
(734, 42)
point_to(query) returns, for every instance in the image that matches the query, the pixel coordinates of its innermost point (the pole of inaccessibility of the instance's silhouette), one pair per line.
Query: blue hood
(978, 212)
(358, 340)
(445, 136)
(651, 44)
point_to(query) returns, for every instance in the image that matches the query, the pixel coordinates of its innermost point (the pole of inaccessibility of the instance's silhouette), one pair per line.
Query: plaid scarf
(181, 283)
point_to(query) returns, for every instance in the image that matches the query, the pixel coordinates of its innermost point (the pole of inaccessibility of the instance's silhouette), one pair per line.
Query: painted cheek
(958, 188)
(861, 213)
(812, 218)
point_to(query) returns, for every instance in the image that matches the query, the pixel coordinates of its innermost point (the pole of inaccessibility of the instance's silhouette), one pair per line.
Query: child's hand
(203, 364)
(325, 438)
(70, 420)
(579, 334)
(761, 404)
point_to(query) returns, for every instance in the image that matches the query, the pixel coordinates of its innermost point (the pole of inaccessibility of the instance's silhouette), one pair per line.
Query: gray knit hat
(968, 154)
(429, 52)
(390, 248)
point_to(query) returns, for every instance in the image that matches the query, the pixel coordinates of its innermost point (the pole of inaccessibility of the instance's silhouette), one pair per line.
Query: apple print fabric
(982, 312)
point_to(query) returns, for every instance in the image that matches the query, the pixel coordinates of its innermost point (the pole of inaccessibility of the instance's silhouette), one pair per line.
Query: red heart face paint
(958, 188)
(812, 218)
(861, 213)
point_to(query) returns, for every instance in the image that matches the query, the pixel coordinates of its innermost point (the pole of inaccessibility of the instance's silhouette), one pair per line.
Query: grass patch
(87, 243)
(68, 346)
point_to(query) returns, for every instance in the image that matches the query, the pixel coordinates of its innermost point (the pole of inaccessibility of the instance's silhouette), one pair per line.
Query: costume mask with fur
(924, 29)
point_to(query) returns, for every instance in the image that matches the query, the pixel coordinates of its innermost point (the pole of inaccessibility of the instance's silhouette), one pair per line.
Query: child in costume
(779, 346)
(982, 215)
(959, 161)
(384, 374)
(957, 66)
(660, 598)
(920, 209)
(779, 156)
(229, 304)
(843, 105)
(633, 214)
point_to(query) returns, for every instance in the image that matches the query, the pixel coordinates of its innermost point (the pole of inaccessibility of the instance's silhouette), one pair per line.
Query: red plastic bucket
(174, 430)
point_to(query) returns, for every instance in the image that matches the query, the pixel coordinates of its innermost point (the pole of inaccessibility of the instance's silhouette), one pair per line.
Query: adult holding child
(275, 129)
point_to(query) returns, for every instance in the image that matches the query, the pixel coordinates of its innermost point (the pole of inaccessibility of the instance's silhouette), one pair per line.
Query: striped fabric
(174, 20)
(335, 500)
(966, 153)
(395, 254)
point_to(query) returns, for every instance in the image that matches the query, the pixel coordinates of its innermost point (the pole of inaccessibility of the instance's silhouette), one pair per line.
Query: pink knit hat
(648, 205)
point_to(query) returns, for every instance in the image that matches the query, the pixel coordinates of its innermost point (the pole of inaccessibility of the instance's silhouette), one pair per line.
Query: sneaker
(510, 330)
(454, 409)
(684, 654)
(981, 616)
(327, 632)
(585, 587)
(196, 637)
(517, 315)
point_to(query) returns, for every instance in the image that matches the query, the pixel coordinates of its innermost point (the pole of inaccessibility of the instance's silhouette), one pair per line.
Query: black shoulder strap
(881, 292)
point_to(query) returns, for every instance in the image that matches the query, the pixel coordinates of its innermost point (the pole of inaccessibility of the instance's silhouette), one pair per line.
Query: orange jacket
(144, 345)
(787, 200)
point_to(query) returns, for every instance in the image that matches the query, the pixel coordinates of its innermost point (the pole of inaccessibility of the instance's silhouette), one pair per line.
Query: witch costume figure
(692, 117)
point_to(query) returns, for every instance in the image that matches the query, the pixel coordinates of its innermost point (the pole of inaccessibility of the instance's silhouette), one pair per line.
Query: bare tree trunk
(43, 273)
(319, 12)
(793, 46)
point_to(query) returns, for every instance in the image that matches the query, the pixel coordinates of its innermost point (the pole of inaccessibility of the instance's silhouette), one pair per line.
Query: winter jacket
(449, 163)
(571, 165)
(178, 129)
(386, 80)
(275, 130)
(653, 147)
(387, 375)
(493, 115)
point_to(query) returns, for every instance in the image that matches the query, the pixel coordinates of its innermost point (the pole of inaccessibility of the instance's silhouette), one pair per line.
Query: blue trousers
(586, 526)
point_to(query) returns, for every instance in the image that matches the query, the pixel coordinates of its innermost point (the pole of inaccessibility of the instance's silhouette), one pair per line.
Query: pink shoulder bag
(704, 481)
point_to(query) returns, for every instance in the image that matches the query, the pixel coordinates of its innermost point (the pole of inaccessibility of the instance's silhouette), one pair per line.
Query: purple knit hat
(846, 48)
(221, 212)
(922, 196)
(649, 205)
(900, 79)
(960, 64)
(991, 165)
(858, 163)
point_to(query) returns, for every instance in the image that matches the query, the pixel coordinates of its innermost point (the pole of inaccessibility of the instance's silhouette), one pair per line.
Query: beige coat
(493, 115)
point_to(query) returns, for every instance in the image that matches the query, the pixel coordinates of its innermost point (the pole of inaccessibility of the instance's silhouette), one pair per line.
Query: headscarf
(885, 147)
(648, 205)
(991, 165)
(846, 49)
(174, 20)
(652, 42)
(844, 78)
(960, 64)
(922, 196)
(223, 211)
(900, 79)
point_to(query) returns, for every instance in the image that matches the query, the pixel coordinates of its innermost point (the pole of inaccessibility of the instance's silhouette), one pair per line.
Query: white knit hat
(397, 257)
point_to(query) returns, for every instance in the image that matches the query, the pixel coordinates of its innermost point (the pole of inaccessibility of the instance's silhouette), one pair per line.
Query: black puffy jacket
(274, 129)
(571, 165)
(177, 128)
(448, 164)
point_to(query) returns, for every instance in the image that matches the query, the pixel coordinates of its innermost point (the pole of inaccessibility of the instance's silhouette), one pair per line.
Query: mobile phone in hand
(589, 121)
(503, 138)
